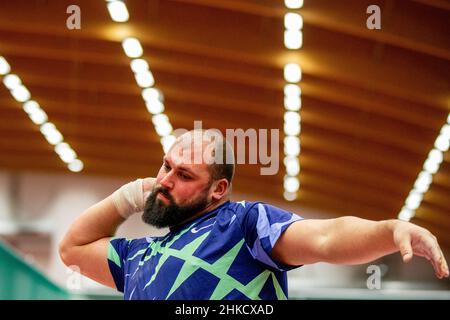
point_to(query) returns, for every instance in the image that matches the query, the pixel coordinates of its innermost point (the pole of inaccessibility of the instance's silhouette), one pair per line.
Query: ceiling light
(34, 111)
(163, 129)
(290, 196)
(11, 81)
(152, 94)
(4, 66)
(293, 39)
(413, 201)
(431, 166)
(291, 116)
(436, 156)
(76, 165)
(139, 65)
(293, 21)
(118, 11)
(167, 142)
(65, 152)
(445, 131)
(159, 119)
(154, 107)
(421, 187)
(406, 214)
(31, 106)
(144, 79)
(288, 160)
(291, 146)
(61, 147)
(292, 90)
(292, 165)
(54, 137)
(423, 182)
(162, 125)
(291, 184)
(293, 169)
(21, 93)
(292, 103)
(50, 133)
(132, 47)
(38, 116)
(292, 72)
(291, 128)
(442, 143)
(293, 4)
(47, 128)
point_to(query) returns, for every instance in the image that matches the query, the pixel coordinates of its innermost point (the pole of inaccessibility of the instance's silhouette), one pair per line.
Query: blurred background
(92, 90)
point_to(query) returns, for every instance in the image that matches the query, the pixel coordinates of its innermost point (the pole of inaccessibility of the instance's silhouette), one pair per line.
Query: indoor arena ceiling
(373, 101)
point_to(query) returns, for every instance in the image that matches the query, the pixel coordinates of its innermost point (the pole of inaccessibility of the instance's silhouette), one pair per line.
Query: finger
(435, 257)
(443, 263)
(439, 260)
(435, 266)
(431, 253)
(434, 254)
(406, 250)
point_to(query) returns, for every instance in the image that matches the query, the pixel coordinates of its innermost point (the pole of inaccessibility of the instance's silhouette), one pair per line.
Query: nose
(167, 182)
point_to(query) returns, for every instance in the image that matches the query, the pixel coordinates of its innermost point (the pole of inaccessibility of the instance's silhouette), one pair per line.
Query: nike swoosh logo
(195, 230)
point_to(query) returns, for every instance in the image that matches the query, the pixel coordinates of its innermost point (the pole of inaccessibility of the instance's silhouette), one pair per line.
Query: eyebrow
(181, 168)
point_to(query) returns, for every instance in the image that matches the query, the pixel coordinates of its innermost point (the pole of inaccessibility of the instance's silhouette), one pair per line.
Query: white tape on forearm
(129, 198)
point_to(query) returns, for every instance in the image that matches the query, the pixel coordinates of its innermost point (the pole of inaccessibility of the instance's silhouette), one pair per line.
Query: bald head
(207, 147)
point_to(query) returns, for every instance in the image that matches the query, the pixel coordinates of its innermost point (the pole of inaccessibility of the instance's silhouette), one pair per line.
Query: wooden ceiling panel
(373, 102)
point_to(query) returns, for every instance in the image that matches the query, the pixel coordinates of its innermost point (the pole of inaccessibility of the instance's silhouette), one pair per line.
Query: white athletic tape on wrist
(129, 198)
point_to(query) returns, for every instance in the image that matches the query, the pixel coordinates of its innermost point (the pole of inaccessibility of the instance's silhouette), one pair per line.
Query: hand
(412, 240)
(131, 197)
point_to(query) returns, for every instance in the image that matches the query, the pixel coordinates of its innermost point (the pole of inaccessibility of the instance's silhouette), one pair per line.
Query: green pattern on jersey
(219, 268)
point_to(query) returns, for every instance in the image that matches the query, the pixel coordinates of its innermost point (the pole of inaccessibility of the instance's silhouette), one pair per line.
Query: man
(218, 249)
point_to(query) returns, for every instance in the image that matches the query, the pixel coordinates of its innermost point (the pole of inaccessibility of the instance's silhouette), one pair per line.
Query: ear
(219, 189)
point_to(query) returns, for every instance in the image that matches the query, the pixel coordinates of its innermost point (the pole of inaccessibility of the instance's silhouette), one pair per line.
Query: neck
(210, 207)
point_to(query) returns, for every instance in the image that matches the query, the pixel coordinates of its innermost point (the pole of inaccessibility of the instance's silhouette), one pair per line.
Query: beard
(161, 215)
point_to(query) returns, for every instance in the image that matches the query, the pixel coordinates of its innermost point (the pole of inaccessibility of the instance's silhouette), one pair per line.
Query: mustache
(164, 191)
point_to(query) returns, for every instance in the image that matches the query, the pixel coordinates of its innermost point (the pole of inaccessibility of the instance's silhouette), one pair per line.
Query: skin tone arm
(86, 243)
(351, 240)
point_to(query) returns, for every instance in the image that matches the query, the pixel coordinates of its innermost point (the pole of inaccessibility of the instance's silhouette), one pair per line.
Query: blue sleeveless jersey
(224, 254)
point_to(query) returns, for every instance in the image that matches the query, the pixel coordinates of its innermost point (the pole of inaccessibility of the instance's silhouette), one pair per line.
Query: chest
(195, 261)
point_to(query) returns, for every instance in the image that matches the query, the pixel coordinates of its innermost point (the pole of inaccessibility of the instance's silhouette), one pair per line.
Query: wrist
(392, 227)
(129, 198)
(391, 224)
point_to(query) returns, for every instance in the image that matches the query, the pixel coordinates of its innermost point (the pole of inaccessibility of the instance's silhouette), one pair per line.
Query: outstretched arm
(351, 240)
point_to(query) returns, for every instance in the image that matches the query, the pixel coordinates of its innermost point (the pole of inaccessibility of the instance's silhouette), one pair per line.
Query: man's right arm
(85, 245)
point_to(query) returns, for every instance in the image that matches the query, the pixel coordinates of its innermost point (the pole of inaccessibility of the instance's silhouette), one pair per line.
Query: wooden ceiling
(373, 100)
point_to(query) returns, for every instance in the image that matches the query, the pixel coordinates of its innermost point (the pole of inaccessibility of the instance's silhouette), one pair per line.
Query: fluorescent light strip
(293, 4)
(153, 97)
(53, 136)
(293, 36)
(425, 177)
(118, 11)
(293, 40)
(132, 47)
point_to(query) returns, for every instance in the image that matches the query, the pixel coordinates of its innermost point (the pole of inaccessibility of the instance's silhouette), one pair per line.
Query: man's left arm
(351, 240)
